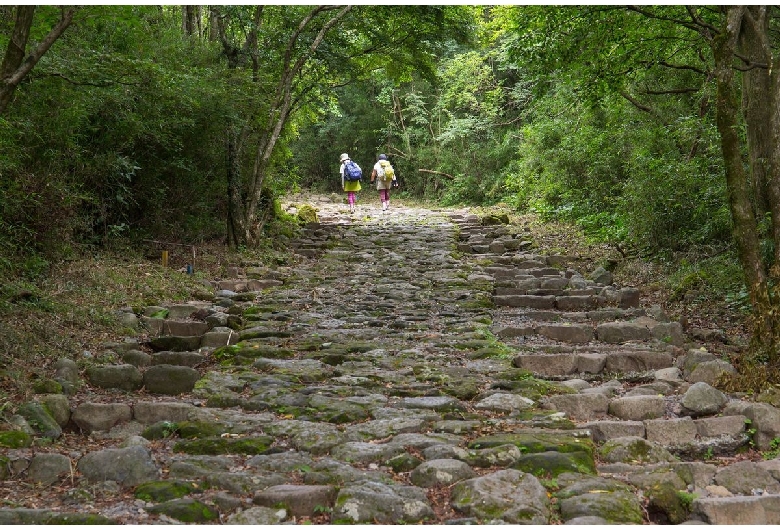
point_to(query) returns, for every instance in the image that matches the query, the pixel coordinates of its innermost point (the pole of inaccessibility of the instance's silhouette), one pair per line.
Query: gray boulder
(509, 495)
(40, 419)
(48, 468)
(703, 400)
(122, 377)
(374, 502)
(170, 380)
(91, 417)
(127, 467)
(443, 472)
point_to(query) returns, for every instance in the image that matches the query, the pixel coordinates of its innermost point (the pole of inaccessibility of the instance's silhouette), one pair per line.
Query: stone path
(414, 366)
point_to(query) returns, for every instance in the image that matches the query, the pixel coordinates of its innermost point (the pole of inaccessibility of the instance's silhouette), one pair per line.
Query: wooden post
(164, 258)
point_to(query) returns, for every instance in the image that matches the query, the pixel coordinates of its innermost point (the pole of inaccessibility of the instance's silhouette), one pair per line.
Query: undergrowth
(72, 311)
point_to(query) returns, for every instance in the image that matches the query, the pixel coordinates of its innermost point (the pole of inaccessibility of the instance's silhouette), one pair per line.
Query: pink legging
(351, 197)
(384, 195)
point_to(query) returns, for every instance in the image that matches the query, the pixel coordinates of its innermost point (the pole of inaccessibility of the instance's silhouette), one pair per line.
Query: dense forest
(655, 130)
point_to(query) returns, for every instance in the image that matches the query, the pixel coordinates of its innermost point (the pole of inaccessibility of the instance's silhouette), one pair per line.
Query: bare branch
(636, 103)
(436, 173)
(650, 14)
(683, 67)
(671, 91)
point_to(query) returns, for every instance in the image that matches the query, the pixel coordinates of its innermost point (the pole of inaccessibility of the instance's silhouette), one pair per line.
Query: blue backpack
(352, 171)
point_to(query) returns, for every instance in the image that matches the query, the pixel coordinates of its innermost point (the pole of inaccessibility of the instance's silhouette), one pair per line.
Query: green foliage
(706, 277)
(773, 451)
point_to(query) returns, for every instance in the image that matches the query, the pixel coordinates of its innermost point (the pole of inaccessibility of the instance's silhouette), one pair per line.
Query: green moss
(164, 490)
(223, 353)
(224, 401)
(404, 463)
(160, 430)
(674, 505)
(15, 439)
(223, 446)
(186, 511)
(554, 463)
(478, 302)
(307, 214)
(537, 442)
(47, 386)
(199, 429)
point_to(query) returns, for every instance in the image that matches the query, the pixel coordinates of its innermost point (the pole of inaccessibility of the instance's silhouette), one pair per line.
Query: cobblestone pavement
(413, 366)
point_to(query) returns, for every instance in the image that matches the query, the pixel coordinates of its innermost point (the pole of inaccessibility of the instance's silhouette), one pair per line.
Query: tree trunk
(739, 188)
(235, 231)
(190, 20)
(213, 24)
(16, 62)
(279, 111)
(755, 101)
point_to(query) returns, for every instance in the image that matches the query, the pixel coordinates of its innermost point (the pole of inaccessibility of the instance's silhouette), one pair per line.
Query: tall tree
(733, 46)
(18, 61)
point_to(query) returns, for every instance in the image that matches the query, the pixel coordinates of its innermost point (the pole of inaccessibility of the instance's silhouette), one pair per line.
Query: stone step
(563, 364)
(356, 401)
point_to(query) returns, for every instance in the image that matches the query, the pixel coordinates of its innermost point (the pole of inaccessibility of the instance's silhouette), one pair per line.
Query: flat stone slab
(572, 333)
(298, 499)
(535, 302)
(742, 510)
(581, 407)
(673, 431)
(638, 408)
(638, 361)
(604, 430)
(374, 502)
(547, 364)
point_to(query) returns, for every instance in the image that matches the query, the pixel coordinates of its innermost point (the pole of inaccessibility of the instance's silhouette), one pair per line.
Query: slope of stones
(411, 366)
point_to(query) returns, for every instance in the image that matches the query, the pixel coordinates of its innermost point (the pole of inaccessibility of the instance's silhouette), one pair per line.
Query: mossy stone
(464, 389)
(40, 420)
(495, 219)
(403, 463)
(554, 463)
(15, 439)
(160, 430)
(613, 506)
(186, 510)
(475, 344)
(536, 442)
(222, 446)
(515, 374)
(225, 401)
(164, 490)
(47, 386)
(671, 505)
(307, 214)
(199, 429)
(254, 351)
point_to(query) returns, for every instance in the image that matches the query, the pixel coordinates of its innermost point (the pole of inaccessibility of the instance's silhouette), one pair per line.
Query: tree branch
(74, 82)
(636, 103)
(436, 173)
(671, 91)
(16, 66)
